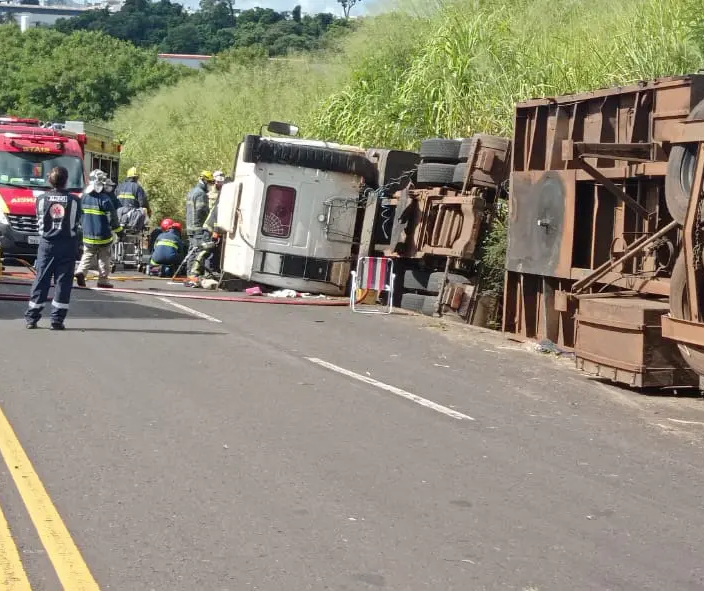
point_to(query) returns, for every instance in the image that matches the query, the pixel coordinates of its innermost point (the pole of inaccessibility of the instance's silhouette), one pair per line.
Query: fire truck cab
(28, 152)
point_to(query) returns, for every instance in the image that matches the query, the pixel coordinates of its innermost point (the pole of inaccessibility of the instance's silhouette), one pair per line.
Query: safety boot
(80, 279)
(105, 284)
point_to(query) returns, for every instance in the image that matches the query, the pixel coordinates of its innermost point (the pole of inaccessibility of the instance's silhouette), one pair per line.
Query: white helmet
(219, 176)
(97, 180)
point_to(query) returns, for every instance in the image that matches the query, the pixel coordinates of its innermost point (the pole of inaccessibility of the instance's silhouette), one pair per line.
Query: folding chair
(377, 274)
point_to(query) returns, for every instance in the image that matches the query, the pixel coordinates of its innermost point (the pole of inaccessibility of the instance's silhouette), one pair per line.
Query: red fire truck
(29, 149)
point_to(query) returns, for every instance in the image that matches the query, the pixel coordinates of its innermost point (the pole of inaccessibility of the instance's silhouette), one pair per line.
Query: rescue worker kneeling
(99, 222)
(58, 213)
(168, 249)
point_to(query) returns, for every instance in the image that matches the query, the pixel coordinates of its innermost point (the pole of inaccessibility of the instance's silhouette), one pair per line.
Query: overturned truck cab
(291, 211)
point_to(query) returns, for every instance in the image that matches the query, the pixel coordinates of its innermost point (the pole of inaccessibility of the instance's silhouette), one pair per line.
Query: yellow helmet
(207, 176)
(132, 172)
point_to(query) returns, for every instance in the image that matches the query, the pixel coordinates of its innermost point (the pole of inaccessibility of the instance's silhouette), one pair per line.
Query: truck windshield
(32, 170)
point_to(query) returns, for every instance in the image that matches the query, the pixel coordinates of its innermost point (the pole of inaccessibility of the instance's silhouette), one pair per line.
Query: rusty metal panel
(621, 338)
(439, 222)
(540, 227)
(593, 225)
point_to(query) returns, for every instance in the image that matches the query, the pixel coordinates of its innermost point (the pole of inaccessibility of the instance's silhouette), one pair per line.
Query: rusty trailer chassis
(590, 220)
(438, 222)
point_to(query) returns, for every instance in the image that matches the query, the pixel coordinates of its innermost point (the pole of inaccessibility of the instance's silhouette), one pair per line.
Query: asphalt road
(281, 448)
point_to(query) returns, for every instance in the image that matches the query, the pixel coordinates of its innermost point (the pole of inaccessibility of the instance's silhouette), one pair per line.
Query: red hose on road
(245, 299)
(188, 296)
(14, 297)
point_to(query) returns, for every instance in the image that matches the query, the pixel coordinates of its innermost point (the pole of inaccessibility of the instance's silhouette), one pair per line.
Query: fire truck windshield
(32, 170)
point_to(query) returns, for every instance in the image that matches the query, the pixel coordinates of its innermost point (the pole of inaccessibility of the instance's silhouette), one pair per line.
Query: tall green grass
(174, 134)
(477, 58)
(431, 68)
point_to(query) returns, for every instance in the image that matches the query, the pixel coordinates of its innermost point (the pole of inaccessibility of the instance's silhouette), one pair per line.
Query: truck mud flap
(257, 149)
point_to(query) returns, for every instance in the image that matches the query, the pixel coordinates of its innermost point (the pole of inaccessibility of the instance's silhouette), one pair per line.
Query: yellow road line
(68, 563)
(12, 575)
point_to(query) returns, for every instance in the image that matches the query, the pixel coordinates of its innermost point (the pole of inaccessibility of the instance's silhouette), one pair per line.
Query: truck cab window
(278, 211)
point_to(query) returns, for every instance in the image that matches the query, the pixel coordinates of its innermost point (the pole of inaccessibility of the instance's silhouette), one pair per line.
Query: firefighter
(208, 248)
(99, 222)
(110, 191)
(168, 248)
(196, 214)
(134, 206)
(130, 193)
(214, 191)
(58, 214)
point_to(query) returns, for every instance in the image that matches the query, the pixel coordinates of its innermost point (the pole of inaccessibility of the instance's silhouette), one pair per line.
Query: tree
(214, 28)
(347, 6)
(84, 75)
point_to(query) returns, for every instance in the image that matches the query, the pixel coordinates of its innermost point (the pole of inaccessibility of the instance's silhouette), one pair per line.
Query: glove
(121, 236)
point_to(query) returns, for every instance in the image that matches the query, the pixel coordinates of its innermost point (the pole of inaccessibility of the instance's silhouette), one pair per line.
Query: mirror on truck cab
(281, 128)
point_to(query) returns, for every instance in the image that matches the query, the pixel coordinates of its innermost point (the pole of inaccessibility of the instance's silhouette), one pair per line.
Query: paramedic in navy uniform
(58, 215)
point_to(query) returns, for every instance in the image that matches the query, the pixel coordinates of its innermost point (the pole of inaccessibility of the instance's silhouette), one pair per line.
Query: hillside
(409, 75)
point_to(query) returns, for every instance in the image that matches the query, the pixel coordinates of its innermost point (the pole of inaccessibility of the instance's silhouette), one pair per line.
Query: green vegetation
(197, 123)
(474, 59)
(212, 29)
(449, 70)
(47, 74)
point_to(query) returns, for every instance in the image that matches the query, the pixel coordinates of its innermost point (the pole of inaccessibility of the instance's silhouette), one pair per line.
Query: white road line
(393, 389)
(197, 313)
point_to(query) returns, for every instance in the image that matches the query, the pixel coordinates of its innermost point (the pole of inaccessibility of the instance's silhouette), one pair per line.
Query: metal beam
(689, 233)
(637, 152)
(612, 188)
(685, 133)
(634, 249)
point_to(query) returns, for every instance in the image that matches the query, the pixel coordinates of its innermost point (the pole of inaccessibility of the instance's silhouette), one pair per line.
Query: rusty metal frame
(428, 232)
(641, 152)
(634, 249)
(688, 235)
(578, 151)
(683, 331)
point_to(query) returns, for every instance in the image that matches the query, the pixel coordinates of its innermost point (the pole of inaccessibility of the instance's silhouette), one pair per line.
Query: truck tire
(330, 159)
(428, 308)
(440, 150)
(423, 304)
(435, 280)
(466, 148)
(249, 148)
(434, 174)
(458, 175)
(679, 308)
(416, 280)
(412, 301)
(680, 172)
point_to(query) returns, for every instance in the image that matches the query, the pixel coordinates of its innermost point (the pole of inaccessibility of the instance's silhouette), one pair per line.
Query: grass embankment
(452, 71)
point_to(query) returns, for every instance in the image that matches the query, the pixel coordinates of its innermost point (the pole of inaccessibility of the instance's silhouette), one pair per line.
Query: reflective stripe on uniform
(97, 241)
(59, 305)
(118, 229)
(166, 242)
(35, 306)
(126, 196)
(94, 212)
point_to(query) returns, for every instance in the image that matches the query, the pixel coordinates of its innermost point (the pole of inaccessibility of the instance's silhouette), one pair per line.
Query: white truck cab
(290, 213)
